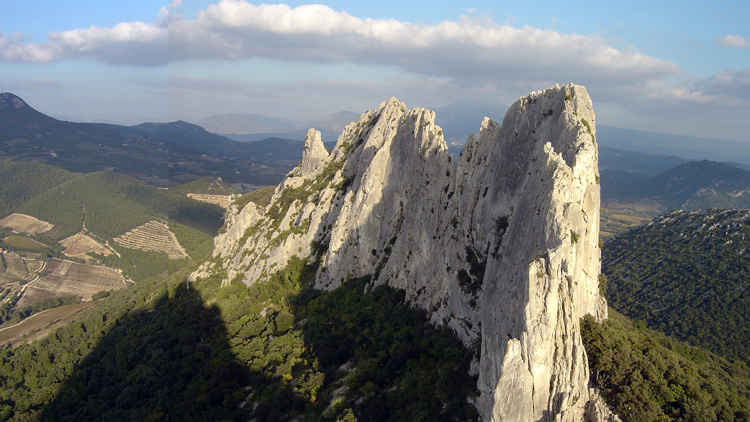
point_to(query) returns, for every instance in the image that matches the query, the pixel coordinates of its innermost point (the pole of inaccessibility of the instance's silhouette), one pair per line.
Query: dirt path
(36, 277)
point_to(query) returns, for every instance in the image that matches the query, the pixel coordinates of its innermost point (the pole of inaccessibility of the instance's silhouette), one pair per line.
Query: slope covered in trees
(687, 274)
(647, 376)
(692, 185)
(159, 349)
(24, 180)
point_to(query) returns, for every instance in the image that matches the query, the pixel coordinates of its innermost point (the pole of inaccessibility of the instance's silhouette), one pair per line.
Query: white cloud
(727, 83)
(464, 49)
(138, 43)
(732, 41)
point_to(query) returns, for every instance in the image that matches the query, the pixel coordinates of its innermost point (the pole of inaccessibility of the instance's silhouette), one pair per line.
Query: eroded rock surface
(500, 244)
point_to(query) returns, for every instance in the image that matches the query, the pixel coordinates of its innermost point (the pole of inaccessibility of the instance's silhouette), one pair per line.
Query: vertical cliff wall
(500, 244)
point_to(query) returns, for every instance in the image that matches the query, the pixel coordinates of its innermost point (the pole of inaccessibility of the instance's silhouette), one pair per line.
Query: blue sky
(671, 66)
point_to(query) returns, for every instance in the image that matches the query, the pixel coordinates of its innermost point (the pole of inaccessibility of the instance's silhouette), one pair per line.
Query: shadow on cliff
(169, 363)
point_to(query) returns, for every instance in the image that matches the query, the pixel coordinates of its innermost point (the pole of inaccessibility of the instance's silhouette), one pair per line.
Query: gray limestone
(500, 244)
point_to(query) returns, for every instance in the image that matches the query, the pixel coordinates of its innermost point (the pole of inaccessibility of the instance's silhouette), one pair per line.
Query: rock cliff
(500, 244)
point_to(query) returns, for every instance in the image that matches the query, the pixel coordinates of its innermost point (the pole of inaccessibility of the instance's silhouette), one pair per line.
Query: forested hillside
(161, 350)
(687, 274)
(107, 203)
(648, 376)
(23, 180)
(692, 185)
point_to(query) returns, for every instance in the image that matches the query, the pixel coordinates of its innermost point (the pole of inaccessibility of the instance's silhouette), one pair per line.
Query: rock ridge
(500, 244)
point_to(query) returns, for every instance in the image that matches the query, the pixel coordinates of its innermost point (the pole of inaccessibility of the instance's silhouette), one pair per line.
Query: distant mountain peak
(8, 100)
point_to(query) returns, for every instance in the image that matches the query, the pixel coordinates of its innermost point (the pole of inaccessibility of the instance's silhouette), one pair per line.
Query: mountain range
(159, 153)
(458, 121)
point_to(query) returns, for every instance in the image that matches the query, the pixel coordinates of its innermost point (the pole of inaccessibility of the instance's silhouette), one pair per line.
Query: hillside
(159, 348)
(686, 273)
(648, 376)
(631, 198)
(106, 205)
(23, 180)
(696, 185)
(159, 155)
(689, 147)
(636, 163)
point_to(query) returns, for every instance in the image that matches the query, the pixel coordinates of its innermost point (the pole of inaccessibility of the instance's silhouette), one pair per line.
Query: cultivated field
(23, 242)
(23, 223)
(79, 244)
(38, 325)
(60, 278)
(153, 236)
(13, 269)
(220, 200)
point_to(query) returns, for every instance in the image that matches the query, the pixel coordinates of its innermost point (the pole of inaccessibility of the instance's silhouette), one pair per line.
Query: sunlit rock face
(501, 244)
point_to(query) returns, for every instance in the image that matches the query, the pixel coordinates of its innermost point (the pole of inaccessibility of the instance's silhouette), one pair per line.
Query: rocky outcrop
(500, 244)
(313, 154)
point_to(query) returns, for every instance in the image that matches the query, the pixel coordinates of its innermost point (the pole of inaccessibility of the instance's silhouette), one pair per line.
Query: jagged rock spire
(314, 152)
(500, 245)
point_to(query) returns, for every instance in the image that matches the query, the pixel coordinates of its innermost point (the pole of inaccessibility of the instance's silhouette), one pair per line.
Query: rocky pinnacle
(499, 244)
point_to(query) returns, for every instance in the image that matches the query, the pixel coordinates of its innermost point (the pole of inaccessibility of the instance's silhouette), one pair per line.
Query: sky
(680, 67)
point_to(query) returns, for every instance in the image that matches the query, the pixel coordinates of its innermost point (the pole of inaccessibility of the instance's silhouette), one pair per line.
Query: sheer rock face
(501, 245)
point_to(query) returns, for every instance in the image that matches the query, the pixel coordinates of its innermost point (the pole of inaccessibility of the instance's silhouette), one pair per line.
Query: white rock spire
(500, 244)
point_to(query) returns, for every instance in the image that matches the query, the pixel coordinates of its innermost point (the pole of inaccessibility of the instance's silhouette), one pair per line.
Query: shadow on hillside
(169, 363)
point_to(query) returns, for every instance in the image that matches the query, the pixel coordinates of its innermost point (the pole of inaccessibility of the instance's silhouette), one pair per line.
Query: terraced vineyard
(59, 278)
(22, 223)
(220, 200)
(153, 236)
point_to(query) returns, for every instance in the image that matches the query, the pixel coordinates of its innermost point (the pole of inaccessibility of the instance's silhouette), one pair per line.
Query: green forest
(162, 349)
(686, 274)
(648, 376)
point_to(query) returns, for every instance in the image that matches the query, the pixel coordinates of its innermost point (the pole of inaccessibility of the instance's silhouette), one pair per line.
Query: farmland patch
(23, 242)
(153, 236)
(22, 223)
(79, 244)
(220, 200)
(14, 269)
(60, 278)
(38, 325)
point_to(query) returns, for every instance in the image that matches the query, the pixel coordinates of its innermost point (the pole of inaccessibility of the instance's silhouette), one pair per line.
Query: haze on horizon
(666, 67)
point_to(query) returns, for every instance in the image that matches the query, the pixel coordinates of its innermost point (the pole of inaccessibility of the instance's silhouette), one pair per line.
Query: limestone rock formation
(313, 154)
(500, 244)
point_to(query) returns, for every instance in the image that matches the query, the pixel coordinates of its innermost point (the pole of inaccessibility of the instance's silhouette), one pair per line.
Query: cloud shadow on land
(169, 363)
